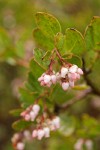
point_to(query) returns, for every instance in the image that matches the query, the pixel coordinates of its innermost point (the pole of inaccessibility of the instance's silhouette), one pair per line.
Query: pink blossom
(32, 115)
(71, 83)
(27, 134)
(15, 138)
(47, 78)
(78, 144)
(40, 78)
(27, 117)
(64, 71)
(72, 76)
(23, 113)
(65, 85)
(79, 70)
(78, 76)
(34, 133)
(53, 79)
(49, 84)
(46, 132)
(36, 108)
(20, 146)
(40, 134)
(73, 69)
(56, 122)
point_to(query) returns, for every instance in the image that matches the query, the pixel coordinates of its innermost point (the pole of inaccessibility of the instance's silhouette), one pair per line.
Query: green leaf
(20, 125)
(36, 68)
(74, 60)
(60, 96)
(92, 40)
(42, 57)
(16, 112)
(74, 42)
(60, 43)
(27, 98)
(33, 84)
(90, 58)
(92, 34)
(41, 40)
(48, 24)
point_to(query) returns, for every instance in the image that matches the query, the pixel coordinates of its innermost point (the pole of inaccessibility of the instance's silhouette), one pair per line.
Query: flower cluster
(51, 125)
(17, 141)
(66, 77)
(80, 142)
(69, 75)
(40, 133)
(43, 130)
(43, 125)
(31, 112)
(19, 138)
(47, 79)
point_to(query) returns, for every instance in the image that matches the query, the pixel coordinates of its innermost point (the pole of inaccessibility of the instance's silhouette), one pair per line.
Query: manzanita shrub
(62, 72)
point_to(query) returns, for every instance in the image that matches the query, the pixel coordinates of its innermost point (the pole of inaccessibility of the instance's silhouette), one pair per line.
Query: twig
(68, 104)
(59, 56)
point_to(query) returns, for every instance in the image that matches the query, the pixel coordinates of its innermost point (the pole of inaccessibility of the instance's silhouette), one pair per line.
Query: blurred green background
(16, 48)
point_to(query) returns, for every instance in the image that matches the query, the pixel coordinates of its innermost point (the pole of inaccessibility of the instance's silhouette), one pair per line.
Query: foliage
(78, 120)
(72, 44)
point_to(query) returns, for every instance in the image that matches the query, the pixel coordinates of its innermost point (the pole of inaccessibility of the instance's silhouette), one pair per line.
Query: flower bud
(15, 138)
(53, 79)
(40, 78)
(64, 71)
(27, 117)
(49, 84)
(23, 114)
(40, 134)
(78, 76)
(27, 134)
(46, 132)
(89, 144)
(78, 144)
(65, 86)
(72, 76)
(73, 69)
(47, 78)
(36, 108)
(32, 115)
(56, 122)
(34, 133)
(79, 70)
(20, 146)
(42, 83)
(71, 83)
(52, 127)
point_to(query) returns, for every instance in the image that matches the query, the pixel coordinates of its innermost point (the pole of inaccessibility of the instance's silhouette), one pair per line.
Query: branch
(68, 104)
(88, 81)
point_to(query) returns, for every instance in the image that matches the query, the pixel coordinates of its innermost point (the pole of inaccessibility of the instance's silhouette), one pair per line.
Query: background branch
(72, 101)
